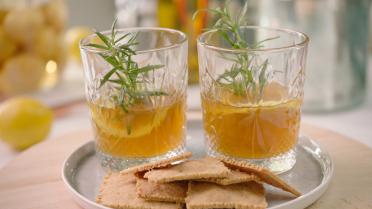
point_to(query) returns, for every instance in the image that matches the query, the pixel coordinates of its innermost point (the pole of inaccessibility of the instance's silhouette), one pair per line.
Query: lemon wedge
(274, 96)
(137, 123)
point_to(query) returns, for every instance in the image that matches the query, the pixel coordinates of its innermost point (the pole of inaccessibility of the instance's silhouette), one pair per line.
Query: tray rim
(302, 201)
(79, 198)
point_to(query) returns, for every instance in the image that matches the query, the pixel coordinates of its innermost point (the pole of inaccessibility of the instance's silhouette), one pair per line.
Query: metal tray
(311, 174)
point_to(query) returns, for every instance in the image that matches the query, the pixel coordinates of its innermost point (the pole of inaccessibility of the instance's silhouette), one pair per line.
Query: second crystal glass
(251, 97)
(138, 115)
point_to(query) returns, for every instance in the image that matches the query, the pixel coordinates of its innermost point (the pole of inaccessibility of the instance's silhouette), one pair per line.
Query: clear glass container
(336, 78)
(251, 98)
(32, 49)
(153, 126)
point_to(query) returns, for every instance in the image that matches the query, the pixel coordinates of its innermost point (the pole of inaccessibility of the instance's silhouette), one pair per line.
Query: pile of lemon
(31, 36)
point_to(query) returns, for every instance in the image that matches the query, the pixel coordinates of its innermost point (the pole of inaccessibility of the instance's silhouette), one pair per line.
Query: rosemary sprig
(240, 78)
(125, 75)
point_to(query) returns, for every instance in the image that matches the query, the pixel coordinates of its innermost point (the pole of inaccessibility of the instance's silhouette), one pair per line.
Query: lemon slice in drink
(113, 121)
(274, 96)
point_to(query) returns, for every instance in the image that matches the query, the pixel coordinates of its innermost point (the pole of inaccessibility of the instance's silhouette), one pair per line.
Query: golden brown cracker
(234, 177)
(156, 164)
(203, 195)
(166, 192)
(119, 191)
(264, 174)
(192, 169)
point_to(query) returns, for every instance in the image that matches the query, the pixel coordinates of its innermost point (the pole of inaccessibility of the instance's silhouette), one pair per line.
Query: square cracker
(203, 195)
(165, 192)
(264, 174)
(156, 164)
(189, 170)
(234, 177)
(119, 191)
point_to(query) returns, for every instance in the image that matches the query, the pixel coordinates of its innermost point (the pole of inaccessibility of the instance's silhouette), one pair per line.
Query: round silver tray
(82, 172)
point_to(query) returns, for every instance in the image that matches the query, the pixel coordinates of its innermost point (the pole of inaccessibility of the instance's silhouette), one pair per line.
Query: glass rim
(302, 43)
(183, 36)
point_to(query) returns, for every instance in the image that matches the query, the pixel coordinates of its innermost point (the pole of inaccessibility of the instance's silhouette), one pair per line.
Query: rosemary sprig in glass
(240, 77)
(125, 74)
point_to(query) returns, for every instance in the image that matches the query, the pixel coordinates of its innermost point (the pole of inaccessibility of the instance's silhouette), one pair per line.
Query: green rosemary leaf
(262, 76)
(133, 38)
(242, 14)
(110, 59)
(125, 72)
(127, 49)
(113, 32)
(149, 68)
(107, 76)
(149, 93)
(97, 46)
(202, 10)
(259, 44)
(124, 81)
(121, 38)
(226, 37)
(240, 77)
(117, 81)
(103, 38)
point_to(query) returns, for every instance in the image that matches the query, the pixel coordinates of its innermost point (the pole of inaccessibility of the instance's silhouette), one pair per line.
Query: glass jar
(338, 55)
(32, 50)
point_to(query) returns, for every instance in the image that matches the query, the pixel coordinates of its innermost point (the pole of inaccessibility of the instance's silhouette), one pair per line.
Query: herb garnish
(240, 77)
(125, 75)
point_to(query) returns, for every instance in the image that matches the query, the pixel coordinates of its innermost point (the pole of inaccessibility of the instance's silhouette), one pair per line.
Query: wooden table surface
(33, 179)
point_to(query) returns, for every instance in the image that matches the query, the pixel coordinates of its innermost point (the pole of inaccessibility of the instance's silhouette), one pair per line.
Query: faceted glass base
(120, 163)
(278, 164)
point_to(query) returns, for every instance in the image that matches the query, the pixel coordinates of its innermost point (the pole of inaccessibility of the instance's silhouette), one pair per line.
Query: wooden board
(33, 179)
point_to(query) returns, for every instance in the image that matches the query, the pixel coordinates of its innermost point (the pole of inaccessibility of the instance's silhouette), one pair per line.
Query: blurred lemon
(2, 14)
(7, 46)
(22, 73)
(24, 122)
(46, 43)
(56, 14)
(23, 25)
(73, 37)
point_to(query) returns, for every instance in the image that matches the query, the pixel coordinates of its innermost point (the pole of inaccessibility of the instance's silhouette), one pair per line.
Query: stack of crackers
(204, 183)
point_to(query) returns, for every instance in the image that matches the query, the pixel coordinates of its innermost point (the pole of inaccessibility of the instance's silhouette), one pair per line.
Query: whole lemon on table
(24, 122)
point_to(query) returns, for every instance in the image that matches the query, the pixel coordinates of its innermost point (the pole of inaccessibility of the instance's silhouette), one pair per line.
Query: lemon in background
(73, 37)
(23, 25)
(24, 122)
(7, 46)
(22, 73)
(56, 14)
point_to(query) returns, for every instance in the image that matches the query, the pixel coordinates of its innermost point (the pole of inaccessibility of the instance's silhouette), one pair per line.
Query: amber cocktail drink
(252, 96)
(136, 82)
(142, 132)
